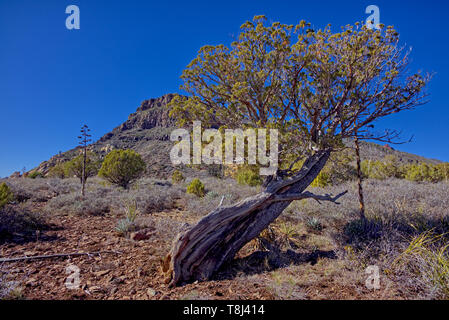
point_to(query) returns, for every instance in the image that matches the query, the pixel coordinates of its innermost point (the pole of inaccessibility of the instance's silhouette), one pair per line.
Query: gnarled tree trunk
(200, 251)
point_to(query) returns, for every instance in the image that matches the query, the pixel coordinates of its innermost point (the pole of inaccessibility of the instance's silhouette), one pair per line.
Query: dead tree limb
(200, 251)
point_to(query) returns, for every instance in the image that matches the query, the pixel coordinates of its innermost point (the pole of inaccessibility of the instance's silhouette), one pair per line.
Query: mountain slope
(147, 131)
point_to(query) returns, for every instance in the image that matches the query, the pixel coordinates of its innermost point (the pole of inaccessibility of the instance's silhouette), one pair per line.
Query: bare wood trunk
(359, 180)
(199, 252)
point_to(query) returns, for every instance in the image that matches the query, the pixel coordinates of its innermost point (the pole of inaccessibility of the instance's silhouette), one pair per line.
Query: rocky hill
(147, 131)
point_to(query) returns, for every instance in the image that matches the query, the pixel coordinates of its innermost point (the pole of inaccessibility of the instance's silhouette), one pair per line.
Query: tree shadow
(262, 261)
(23, 226)
(361, 232)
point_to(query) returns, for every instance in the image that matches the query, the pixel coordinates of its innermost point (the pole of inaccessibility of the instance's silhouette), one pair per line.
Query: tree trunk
(200, 251)
(359, 180)
(83, 178)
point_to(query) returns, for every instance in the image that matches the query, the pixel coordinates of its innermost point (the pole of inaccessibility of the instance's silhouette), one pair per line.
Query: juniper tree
(317, 87)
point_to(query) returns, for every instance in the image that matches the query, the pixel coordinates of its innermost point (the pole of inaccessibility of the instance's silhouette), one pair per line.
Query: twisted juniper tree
(317, 88)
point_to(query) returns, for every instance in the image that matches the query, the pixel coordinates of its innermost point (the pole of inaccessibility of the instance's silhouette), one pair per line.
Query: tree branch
(308, 195)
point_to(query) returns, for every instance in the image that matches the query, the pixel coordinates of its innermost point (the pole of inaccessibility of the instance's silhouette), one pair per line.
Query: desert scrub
(126, 225)
(40, 190)
(248, 176)
(216, 189)
(177, 177)
(427, 257)
(6, 195)
(34, 175)
(196, 187)
(121, 167)
(19, 224)
(150, 196)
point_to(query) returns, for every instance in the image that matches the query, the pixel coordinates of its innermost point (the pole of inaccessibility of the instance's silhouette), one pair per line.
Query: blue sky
(53, 80)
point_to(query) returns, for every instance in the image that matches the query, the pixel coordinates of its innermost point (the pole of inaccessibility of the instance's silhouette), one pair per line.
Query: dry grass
(312, 251)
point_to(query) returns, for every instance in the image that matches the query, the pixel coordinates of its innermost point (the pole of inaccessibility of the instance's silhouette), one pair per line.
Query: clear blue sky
(53, 80)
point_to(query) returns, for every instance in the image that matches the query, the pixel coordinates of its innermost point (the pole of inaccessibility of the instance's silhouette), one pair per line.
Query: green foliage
(248, 176)
(389, 167)
(6, 195)
(177, 177)
(196, 187)
(75, 167)
(34, 175)
(121, 167)
(424, 172)
(315, 86)
(58, 171)
(322, 180)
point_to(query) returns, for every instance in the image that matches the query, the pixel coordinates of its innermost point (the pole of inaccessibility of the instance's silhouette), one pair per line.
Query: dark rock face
(151, 113)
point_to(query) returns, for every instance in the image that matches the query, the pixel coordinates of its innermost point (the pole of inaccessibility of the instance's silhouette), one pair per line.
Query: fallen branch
(59, 255)
(308, 195)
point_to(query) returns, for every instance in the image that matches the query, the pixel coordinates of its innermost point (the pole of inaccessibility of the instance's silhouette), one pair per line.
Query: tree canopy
(316, 87)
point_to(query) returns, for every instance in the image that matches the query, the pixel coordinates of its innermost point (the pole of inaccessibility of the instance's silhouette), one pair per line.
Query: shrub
(428, 257)
(58, 171)
(248, 176)
(19, 225)
(177, 177)
(216, 170)
(424, 172)
(121, 167)
(75, 167)
(196, 187)
(34, 175)
(6, 195)
(322, 180)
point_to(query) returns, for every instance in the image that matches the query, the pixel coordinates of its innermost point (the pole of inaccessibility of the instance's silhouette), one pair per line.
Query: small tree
(121, 167)
(82, 167)
(84, 141)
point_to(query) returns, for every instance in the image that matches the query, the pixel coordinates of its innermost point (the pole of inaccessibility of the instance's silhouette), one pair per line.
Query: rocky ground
(131, 269)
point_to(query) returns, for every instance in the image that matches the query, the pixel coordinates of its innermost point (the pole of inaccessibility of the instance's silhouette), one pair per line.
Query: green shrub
(248, 176)
(6, 195)
(177, 177)
(424, 172)
(443, 169)
(389, 167)
(322, 180)
(121, 167)
(58, 171)
(75, 167)
(196, 187)
(34, 175)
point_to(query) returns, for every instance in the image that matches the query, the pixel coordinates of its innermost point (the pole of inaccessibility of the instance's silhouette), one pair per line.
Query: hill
(147, 131)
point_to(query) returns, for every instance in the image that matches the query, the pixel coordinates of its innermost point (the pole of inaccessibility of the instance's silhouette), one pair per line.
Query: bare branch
(308, 195)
